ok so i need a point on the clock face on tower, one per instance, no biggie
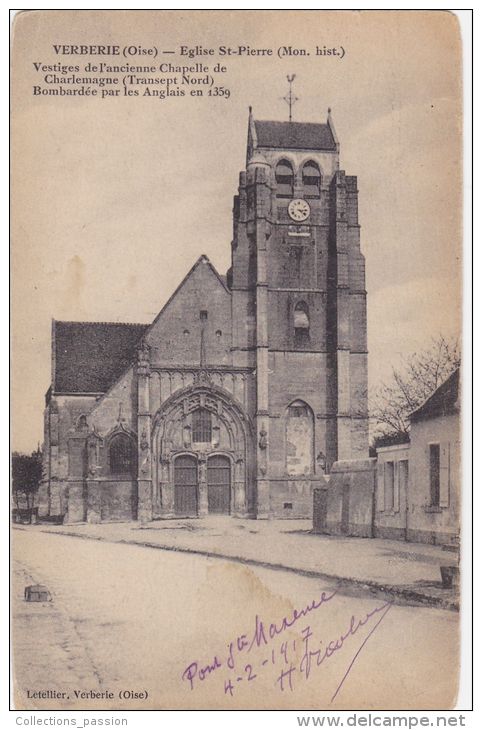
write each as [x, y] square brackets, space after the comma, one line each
[298, 210]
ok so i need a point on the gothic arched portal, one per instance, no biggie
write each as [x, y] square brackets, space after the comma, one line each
[203, 455]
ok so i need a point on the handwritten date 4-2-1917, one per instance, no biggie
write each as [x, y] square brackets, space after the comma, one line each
[284, 656]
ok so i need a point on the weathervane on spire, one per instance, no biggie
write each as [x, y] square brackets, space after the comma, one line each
[290, 98]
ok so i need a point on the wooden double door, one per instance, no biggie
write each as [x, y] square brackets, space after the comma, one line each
[186, 485]
[219, 484]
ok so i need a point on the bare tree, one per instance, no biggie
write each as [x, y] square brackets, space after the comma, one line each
[26, 476]
[419, 376]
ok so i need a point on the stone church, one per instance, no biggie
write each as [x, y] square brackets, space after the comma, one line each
[246, 388]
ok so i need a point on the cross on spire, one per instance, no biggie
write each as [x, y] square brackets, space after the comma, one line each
[290, 98]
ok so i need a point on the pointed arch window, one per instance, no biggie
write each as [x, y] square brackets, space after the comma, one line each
[82, 424]
[202, 429]
[311, 180]
[301, 324]
[299, 433]
[284, 179]
[122, 455]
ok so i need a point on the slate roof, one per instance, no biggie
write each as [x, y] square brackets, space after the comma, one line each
[396, 439]
[443, 402]
[90, 356]
[294, 135]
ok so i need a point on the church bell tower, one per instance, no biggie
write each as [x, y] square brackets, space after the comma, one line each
[299, 309]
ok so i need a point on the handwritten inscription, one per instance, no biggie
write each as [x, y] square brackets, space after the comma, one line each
[291, 660]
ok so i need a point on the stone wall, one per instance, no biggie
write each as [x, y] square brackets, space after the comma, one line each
[62, 419]
[349, 499]
[117, 406]
[77, 502]
[175, 335]
[118, 500]
[292, 498]
[389, 497]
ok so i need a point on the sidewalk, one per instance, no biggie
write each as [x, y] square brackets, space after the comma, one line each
[409, 572]
[41, 630]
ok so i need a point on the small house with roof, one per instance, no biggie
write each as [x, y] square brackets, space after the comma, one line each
[418, 482]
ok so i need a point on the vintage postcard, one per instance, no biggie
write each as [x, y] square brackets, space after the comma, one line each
[237, 286]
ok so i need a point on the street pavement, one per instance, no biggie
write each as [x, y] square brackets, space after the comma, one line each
[409, 572]
[159, 629]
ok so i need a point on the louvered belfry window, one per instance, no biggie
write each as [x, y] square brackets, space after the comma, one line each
[201, 426]
[311, 180]
[284, 179]
[122, 456]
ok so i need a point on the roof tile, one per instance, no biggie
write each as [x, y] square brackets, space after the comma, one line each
[90, 356]
[294, 135]
[443, 401]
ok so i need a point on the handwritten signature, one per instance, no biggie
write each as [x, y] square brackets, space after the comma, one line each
[316, 658]
[265, 634]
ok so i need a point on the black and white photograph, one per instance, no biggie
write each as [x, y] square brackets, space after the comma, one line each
[237, 360]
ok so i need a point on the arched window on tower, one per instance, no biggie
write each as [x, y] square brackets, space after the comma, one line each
[311, 180]
[201, 426]
[284, 179]
[299, 430]
[122, 455]
[301, 324]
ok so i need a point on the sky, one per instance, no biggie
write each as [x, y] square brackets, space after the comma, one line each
[114, 200]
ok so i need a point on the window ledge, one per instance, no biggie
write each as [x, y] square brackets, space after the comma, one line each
[296, 477]
[124, 477]
[433, 508]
